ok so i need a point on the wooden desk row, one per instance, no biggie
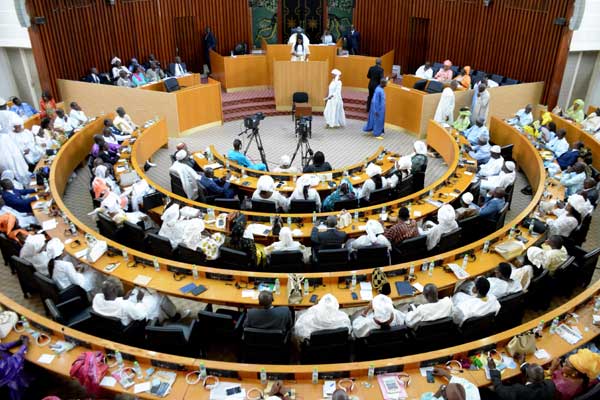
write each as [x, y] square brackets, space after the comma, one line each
[225, 291]
[299, 377]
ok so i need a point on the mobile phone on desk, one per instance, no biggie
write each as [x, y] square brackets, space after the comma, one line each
[233, 390]
[430, 377]
[314, 298]
[354, 296]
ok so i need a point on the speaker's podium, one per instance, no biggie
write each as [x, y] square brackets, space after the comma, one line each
[290, 77]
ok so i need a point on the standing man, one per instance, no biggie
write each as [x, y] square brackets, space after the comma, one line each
[210, 43]
[376, 120]
[353, 40]
[375, 75]
[482, 104]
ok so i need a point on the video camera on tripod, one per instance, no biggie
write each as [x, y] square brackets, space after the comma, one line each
[251, 124]
[253, 121]
[303, 126]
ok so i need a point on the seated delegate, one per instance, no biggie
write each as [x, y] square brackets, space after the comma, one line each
[240, 158]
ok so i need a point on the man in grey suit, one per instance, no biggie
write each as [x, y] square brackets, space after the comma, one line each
[268, 317]
[332, 238]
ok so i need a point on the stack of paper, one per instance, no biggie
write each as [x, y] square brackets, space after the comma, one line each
[458, 271]
[366, 291]
[142, 280]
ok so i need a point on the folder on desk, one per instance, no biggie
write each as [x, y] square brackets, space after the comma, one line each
[404, 288]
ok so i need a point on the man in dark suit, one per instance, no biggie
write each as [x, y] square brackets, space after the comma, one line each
[353, 40]
[95, 77]
[332, 238]
[177, 68]
[210, 43]
[15, 198]
[535, 388]
[268, 317]
[375, 75]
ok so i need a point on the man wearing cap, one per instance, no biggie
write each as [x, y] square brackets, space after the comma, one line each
[188, 160]
[494, 202]
[189, 178]
[504, 179]
[481, 151]
[476, 131]
[467, 208]
[380, 313]
[494, 165]
[25, 141]
[445, 74]
[22, 109]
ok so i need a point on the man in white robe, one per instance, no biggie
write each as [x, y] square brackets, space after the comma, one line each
[558, 145]
[433, 310]
[425, 71]
[446, 223]
[25, 141]
[504, 179]
[110, 303]
[550, 256]
[477, 304]
[189, 177]
[170, 228]
[523, 117]
[379, 314]
[334, 109]
[482, 104]
[10, 155]
[494, 165]
[566, 223]
[502, 284]
[66, 274]
[444, 114]
[325, 314]
[286, 165]
[77, 116]
[124, 123]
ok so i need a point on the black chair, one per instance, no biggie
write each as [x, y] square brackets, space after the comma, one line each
[330, 260]
[497, 78]
[508, 194]
[406, 187]
[436, 67]
[587, 262]
[512, 308]
[409, 249]
[108, 228]
[159, 246]
[380, 196]
[219, 328]
[25, 274]
[132, 235]
[152, 200]
[418, 181]
[112, 329]
[372, 257]
[234, 259]
[204, 197]
[579, 235]
[232, 204]
[592, 394]
[540, 291]
[286, 261]
[172, 339]
[455, 70]
[489, 226]
[326, 347]
[303, 206]
[434, 87]
[506, 152]
[8, 248]
[420, 84]
[448, 241]
[470, 229]
[73, 313]
[48, 289]
[176, 185]
[265, 346]
[477, 327]
[384, 343]
[189, 256]
[349, 204]
[565, 277]
[476, 77]
[432, 335]
[509, 81]
[264, 206]
[298, 97]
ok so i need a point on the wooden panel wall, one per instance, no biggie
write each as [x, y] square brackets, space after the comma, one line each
[512, 38]
[79, 34]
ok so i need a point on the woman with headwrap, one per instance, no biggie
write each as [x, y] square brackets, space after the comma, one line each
[419, 158]
[445, 73]
[444, 113]
[446, 223]
[334, 109]
[374, 182]
[568, 217]
[10, 227]
[287, 243]
[12, 365]
[103, 183]
[240, 240]
[325, 314]
[591, 123]
[403, 170]
[575, 112]
[303, 191]
[345, 191]
[550, 256]
[170, 227]
[66, 274]
[286, 165]
[379, 314]
[464, 77]
[463, 121]
[38, 253]
[374, 237]
[575, 374]
[265, 190]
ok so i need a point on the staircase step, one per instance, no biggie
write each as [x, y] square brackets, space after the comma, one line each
[246, 101]
[269, 103]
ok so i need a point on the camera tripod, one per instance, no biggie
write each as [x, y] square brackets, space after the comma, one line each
[306, 153]
[255, 136]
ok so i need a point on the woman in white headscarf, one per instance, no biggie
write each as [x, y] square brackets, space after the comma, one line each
[379, 314]
[325, 314]
[138, 191]
[286, 165]
[303, 191]
[189, 178]
[265, 190]
[403, 166]
[103, 183]
[446, 223]
[287, 243]
[568, 217]
[112, 203]
[33, 251]
[334, 109]
[191, 227]
[418, 159]
[170, 227]
[374, 237]
[375, 181]
[8, 174]
[444, 114]
[592, 123]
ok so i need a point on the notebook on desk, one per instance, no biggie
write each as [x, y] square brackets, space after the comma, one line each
[404, 288]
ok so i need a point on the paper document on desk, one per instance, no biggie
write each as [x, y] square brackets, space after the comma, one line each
[213, 166]
[250, 294]
[199, 154]
[49, 224]
[142, 280]
[40, 205]
[570, 335]
[366, 295]
[458, 271]
[259, 229]
[220, 392]
[434, 203]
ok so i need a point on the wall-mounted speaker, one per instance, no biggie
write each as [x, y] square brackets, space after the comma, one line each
[578, 9]
[22, 15]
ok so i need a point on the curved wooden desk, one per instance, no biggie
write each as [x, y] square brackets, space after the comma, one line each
[225, 292]
[299, 376]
